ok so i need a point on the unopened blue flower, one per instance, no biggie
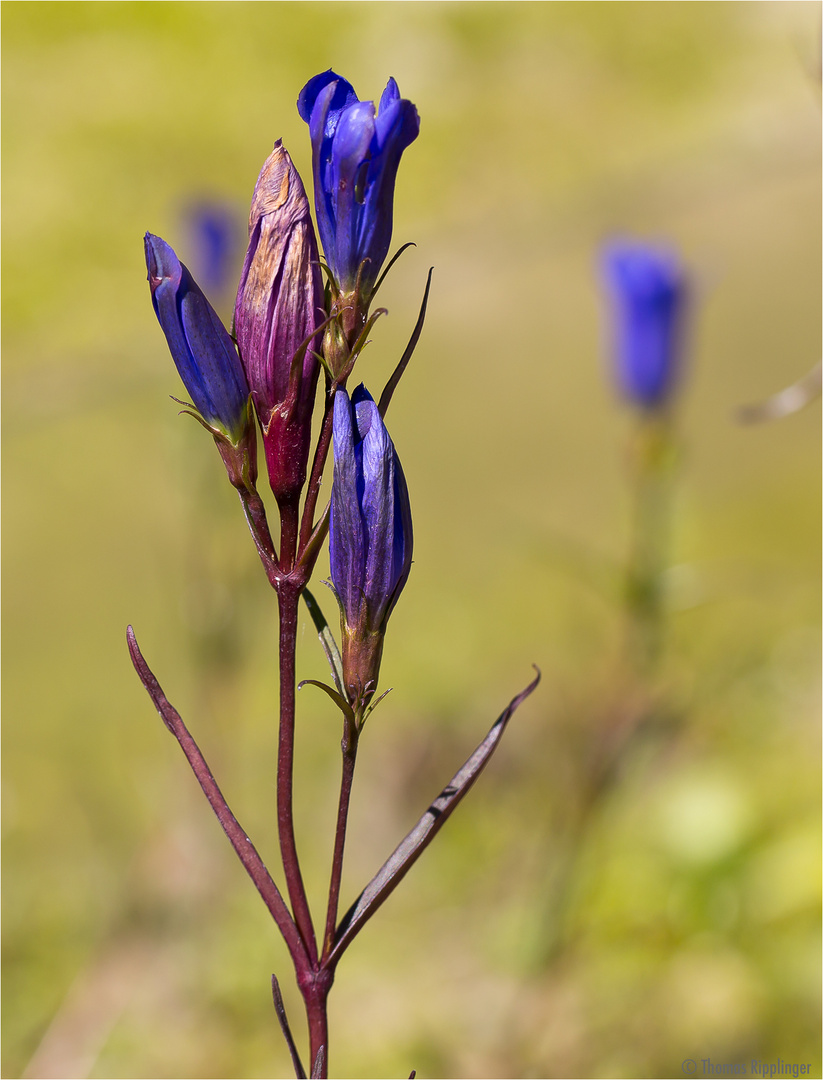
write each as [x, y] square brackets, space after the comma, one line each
[649, 293]
[201, 348]
[370, 542]
[356, 153]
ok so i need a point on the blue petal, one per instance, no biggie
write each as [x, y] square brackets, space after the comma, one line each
[395, 129]
[403, 535]
[217, 363]
[349, 151]
[378, 509]
[342, 96]
[397, 126]
[390, 94]
[346, 539]
[386, 512]
[322, 171]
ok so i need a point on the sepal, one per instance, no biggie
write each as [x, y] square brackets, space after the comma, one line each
[327, 642]
[240, 458]
[397, 374]
[341, 703]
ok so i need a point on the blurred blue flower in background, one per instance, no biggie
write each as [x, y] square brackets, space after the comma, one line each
[648, 290]
[356, 153]
[215, 238]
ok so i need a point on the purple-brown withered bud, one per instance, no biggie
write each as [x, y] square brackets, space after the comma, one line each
[279, 306]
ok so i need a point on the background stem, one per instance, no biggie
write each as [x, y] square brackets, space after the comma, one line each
[652, 466]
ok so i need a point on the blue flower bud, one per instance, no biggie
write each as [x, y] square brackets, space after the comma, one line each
[356, 153]
[370, 541]
[279, 306]
[649, 292]
[200, 346]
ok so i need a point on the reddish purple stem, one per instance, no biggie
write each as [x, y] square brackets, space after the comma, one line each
[245, 849]
[288, 597]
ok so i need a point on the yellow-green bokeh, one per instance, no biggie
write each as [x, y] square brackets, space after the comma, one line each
[134, 945]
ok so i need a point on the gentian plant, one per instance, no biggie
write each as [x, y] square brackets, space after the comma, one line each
[646, 301]
[287, 329]
[648, 292]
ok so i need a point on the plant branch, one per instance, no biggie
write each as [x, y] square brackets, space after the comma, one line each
[289, 528]
[244, 848]
[255, 513]
[652, 461]
[316, 479]
[350, 740]
[406, 854]
[288, 597]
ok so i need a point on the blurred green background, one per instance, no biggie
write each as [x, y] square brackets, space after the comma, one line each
[134, 944]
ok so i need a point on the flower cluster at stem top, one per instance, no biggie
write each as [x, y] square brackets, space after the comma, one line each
[279, 314]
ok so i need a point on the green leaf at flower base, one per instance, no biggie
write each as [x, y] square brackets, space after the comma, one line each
[338, 699]
[327, 641]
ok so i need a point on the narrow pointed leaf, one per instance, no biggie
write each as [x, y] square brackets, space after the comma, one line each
[338, 699]
[392, 872]
[358, 347]
[331, 280]
[315, 541]
[280, 1009]
[319, 1062]
[391, 385]
[296, 368]
[327, 641]
[391, 263]
[374, 705]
